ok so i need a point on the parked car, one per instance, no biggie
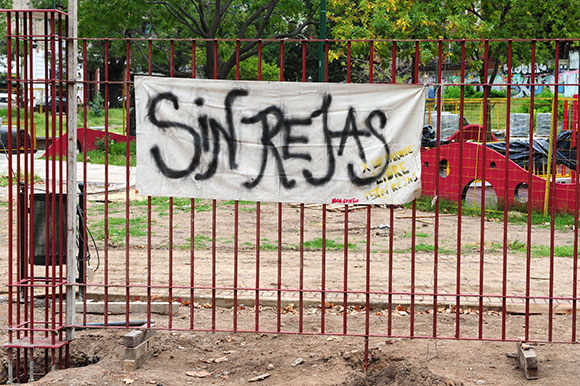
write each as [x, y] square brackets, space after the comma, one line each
[4, 101]
[43, 107]
[15, 141]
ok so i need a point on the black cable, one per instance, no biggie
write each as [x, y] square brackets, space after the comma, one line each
[81, 212]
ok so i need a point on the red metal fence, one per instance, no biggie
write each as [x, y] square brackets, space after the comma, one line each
[432, 269]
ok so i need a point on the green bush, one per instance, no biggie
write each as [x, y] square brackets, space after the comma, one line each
[114, 147]
[101, 143]
[97, 105]
[542, 104]
[454, 92]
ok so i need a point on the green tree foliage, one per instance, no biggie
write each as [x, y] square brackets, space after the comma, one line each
[178, 19]
[458, 19]
[4, 4]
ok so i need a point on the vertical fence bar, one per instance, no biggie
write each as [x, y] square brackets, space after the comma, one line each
[192, 266]
[279, 281]
[482, 148]
[345, 273]
[85, 173]
[554, 143]
[54, 189]
[258, 205]
[437, 186]
[29, 193]
[367, 287]
[259, 60]
[62, 65]
[192, 227]
[346, 210]
[371, 60]
[506, 192]
[413, 218]
[301, 275]
[106, 225]
[326, 48]
[149, 217]
[303, 61]
[236, 218]
[368, 242]
[257, 301]
[348, 61]
[460, 196]
[47, 212]
[391, 215]
[28, 146]
[530, 190]
[170, 262]
[213, 262]
[323, 274]
[10, 183]
[127, 86]
[20, 200]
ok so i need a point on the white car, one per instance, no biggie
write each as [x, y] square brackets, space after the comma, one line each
[4, 101]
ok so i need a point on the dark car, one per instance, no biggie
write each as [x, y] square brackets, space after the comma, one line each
[15, 141]
[59, 102]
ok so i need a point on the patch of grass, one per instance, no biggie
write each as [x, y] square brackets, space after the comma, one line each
[408, 235]
[421, 247]
[95, 209]
[95, 120]
[518, 214]
[200, 242]
[542, 250]
[115, 120]
[331, 245]
[4, 179]
[424, 247]
[517, 245]
[117, 154]
[118, 230]
[161, 204]
[268, 247]
[244, 206]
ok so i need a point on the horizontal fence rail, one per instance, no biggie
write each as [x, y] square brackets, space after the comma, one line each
[489, 244]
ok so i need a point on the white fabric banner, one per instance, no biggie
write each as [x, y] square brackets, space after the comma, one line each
[279, 141]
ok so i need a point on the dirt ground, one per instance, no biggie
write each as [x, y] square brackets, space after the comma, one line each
[238, 358]
[182, 357]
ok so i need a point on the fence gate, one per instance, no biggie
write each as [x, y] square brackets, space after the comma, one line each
[476, 258]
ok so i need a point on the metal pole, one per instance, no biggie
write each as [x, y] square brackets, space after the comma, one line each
[321, 36]
[71, 186]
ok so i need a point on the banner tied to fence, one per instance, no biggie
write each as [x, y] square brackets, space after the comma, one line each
[279, 141]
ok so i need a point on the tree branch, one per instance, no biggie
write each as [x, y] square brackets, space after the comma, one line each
[266, 18]
[250, 20]
[199, 10]
[474, 12]
[178, 14]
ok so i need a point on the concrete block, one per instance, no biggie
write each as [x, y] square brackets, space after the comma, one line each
[136, 337]
[528, 360]
[134, 364]
[134, 353]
